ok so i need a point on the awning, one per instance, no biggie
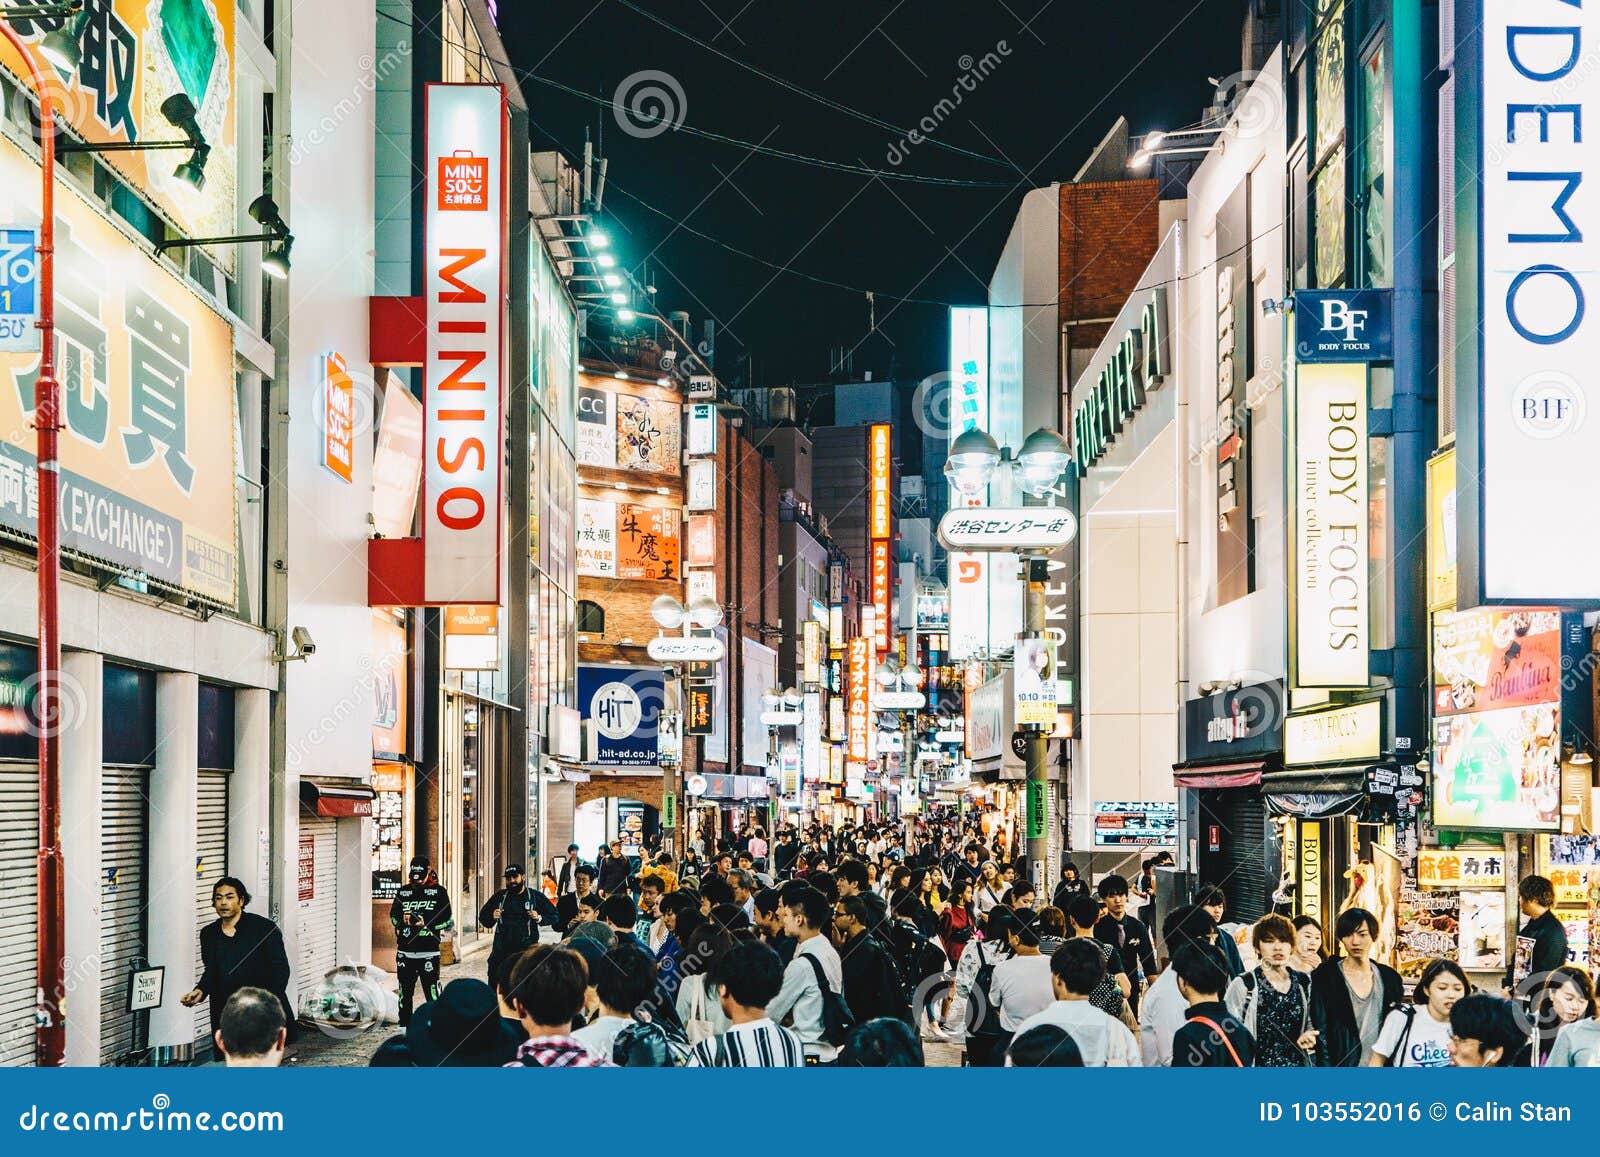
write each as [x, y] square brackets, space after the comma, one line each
[337, 797]
[1317, 793]
[1219, 775]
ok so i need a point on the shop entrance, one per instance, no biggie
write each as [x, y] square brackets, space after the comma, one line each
[469, 755]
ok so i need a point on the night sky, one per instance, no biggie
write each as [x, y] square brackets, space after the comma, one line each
[1056, 75]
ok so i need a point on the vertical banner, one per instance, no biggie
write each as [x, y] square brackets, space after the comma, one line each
[857, 689]
[880, 466]
[969, 409]
[1330, 599]
[464, 288]
[338, 416]
[1540, 347]
[1235, 554]
[811, 643]
[880, 594]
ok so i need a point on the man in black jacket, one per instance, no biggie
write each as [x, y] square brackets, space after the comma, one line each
[1351, 994]
[614, 870]
[872, 986]
[515, 913]
[1127, 935]
[567, 882]
[239, 949]
[419, 913]
[1212, 1037]
[783, 856]
[1545, 936]
[567, 906]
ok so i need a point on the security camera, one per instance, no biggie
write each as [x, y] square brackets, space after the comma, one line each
[304, 644]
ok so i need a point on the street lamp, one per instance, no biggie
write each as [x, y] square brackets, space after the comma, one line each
[50, 1039]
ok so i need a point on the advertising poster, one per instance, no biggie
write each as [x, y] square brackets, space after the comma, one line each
[1482, 941]
[648, 437]
[1485, 660]
[1498, 770]
[622, 704]
[1429, 928]
[1464, 867]
[702, 544]
[388, 686]
[630, 826]
[596, 538]
[146, 369]
[1035, 683]
[597, 428]
[647, 542]
[136, 54]
[1145, 824]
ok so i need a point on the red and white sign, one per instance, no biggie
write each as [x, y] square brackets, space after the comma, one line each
[338, 416]
[464, 287]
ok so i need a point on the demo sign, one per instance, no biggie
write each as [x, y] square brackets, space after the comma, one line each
[461, 524]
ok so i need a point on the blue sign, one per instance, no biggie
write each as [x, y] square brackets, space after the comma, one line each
[1344, 325]
[623, 706]
[19, 291]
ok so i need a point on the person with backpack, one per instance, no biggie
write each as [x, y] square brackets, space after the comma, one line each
[748, 977]
[1417, 1035]
[624, 980]
[1351, 993]
[1110, 995]
[1100, 1041]
[1211, 1036]
[873, 986]
[1273, 1001]
[810, 1000]
[986, 1037]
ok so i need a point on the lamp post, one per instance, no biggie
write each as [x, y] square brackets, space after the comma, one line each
[672, 615]
[973, 461]
[50, 1030]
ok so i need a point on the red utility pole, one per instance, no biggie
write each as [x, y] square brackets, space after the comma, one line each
[50, 1041]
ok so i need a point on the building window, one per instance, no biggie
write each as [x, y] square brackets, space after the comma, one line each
[591, 618]
[1372, 201]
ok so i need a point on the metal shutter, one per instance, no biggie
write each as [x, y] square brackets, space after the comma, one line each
[19, 909]
[560, 802]
[124, 811]
[211, 864]
[1240, 867]
[318, 931]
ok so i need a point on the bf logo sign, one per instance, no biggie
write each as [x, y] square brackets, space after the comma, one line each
[1337, 315]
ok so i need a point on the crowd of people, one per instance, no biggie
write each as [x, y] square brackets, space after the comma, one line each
[858, 946]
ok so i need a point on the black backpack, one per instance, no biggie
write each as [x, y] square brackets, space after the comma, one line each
[988, 1028]
[917, 956]
[837, 1019]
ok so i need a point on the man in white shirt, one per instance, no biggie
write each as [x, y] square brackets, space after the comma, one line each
[1020, 986]
[624, 979]
[1076, 970]
[749, 975]
[805, 913]
[1164, 1010]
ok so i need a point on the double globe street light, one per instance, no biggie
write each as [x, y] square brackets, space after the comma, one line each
[1031, 532]
[670, 615]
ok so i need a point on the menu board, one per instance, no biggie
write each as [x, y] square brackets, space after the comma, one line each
[1429, 929]
[1482, 942]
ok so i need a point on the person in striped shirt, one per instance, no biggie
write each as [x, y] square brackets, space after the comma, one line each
[749, 976]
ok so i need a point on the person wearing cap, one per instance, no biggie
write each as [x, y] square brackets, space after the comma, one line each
[515, 913]
[419, 913]
[461, 1029]
[567, 882]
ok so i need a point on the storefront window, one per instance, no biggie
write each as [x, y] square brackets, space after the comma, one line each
[1373, 201]
[1330, 223]
[1330, 82]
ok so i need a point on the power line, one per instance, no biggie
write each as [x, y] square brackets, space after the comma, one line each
[790, 86]
[784, 154]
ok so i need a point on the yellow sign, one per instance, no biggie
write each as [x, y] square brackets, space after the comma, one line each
[136, 55]
[1343, 735]
[1465, 867]
[1310, 874]
[146, 367]
[1442, 532]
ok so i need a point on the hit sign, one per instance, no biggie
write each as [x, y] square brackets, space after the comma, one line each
[465, 270]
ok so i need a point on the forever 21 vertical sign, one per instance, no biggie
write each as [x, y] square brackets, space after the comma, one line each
[464, 240]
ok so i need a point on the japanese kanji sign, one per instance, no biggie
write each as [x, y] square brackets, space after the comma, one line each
[146, 369]
[338, 416]
[136, 54]
[1463, 867]
[1007, 530]
[19, 291]
[647, 542]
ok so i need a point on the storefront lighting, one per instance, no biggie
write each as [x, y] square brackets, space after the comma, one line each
[63, 48]
[621, 375]
[619, 298]
[888, 673]
[663, 382]
[179, 112]
[605, 261]
[612, 280]
[280, 241]
[705, 613]
[625, 315]
[598, 238]
[1154, 140]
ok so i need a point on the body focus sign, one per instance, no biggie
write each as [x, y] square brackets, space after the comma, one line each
[465, 269]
